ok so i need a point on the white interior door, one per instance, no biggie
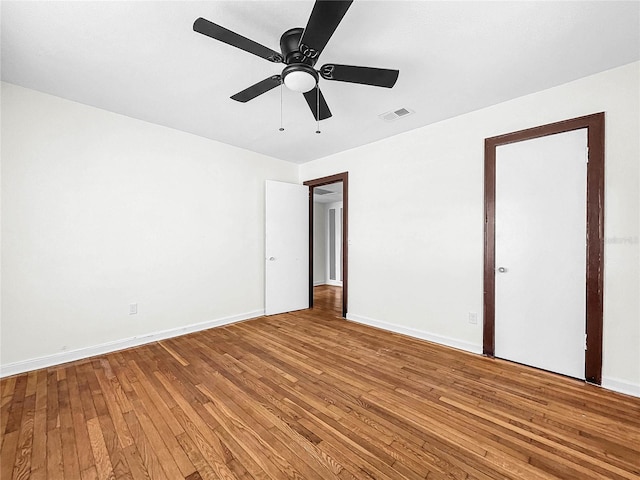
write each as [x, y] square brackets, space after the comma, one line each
[540, 227]
[286, 247]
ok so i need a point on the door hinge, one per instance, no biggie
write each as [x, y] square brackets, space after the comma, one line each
[586, 154]
[585, 341]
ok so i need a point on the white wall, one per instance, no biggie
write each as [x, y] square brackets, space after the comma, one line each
[101, 210]
[319, 244]
[416, 254]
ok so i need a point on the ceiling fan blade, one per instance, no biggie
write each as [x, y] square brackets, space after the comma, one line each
[312, 99]
[378, 77]
[258, 89]
[323, 21]
[217, 32]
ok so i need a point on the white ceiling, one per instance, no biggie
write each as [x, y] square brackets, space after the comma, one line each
[334, 196]
[142, 59]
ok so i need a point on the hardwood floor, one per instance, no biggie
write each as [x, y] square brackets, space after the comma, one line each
[327, 300]
[308, 395]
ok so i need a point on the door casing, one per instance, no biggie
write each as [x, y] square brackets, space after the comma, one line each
[318, 182]
[594, 232]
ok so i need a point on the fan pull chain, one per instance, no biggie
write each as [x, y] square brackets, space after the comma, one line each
[281, 127]
[318, 108]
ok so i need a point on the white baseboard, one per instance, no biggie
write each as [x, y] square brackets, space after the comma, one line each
[614, 384]
[621, 386]
[317, 284]
[333, 283]
[108, 347]
[421, 334]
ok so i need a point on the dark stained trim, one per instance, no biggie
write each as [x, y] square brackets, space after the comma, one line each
[344, 178]
[594, 236]
[489, 306]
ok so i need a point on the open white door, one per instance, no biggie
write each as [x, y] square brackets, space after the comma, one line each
[540, 252]
[286, 247]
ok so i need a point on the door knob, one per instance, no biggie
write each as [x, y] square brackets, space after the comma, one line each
[502, 269]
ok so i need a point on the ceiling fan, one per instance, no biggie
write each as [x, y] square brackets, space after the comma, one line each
[300, 49]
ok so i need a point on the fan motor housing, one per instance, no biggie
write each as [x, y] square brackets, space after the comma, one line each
[290, 47]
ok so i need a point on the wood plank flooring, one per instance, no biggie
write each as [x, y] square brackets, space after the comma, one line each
[308, 395]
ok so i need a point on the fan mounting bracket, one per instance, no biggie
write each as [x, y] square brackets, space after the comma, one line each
[292, 51]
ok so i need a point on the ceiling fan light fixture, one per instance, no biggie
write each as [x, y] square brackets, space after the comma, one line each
[300, 78]
[300, 49]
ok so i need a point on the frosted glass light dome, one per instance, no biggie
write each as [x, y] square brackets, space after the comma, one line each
[300, 81]
[300, 78]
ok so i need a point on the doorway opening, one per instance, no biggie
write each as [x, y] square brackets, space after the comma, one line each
[328, 246]
[594, 235]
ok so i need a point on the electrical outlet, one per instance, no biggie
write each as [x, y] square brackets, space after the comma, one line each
[133, 309]
[473, 318]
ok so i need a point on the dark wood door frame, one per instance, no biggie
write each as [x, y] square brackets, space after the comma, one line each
[344, 178]
[595, 232]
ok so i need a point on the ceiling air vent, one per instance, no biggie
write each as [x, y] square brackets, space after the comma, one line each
[396, 114]
[319, 191]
